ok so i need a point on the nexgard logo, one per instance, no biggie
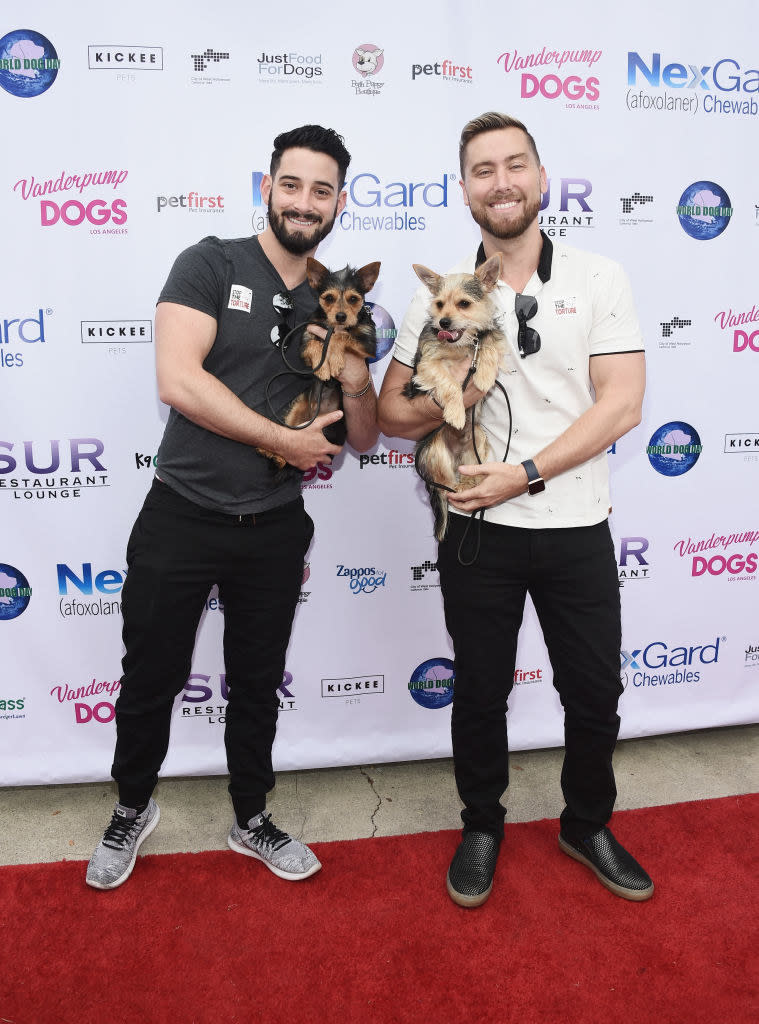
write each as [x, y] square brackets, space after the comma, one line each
[83, 582]
[721, 88]
[16, 332]
[376, 205]
[657, 664]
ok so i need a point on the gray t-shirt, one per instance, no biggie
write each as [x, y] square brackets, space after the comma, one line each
[234, 282]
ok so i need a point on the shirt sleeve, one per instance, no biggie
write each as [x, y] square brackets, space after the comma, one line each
[615, 326]
[197, 278]
[407, 339]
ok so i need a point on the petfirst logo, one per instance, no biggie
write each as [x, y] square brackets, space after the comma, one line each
[431, 684]
[393, 459]
[353, 688]
[738, 565]
[200, 689]
[107, 583]
[750, 656]
[671, 338]
[287, 68]
[406, 199]
[447, 70]
[125, 58]
[86, 705]
[700, 84]
[384, 329]
[97, 212]
[574, 209]
[19, 332]
[424, 577]
[108, 332]
[368, 61]
[579, 90]
[201, 62]
[9, 707]
[363, 581]
[668, 666]
[527, 676]
[634, 208]
[674, 448]
[29, 63]
[192, 202]
[15, 592]
[744, 339]
[318, 478]
[43, 465]
[704, 210]
[632, 561]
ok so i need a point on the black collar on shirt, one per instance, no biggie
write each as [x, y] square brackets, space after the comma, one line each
[544, 263]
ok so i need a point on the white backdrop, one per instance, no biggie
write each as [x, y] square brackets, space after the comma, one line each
[154, 132]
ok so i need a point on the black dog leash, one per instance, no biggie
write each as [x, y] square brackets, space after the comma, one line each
[293, 370]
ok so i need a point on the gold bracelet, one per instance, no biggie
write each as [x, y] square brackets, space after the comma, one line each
[362, 392]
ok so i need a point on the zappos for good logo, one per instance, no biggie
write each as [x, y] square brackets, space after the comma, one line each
[385, 329]
[15, 592]
[29, 63]
[431, 683]
[674, 448]
[704, 210]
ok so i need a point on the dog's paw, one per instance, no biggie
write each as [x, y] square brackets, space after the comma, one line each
[277, 460]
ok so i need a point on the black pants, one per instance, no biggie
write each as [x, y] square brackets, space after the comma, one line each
[176, 552]
[571, 577]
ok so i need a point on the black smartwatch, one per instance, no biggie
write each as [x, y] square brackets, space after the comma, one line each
[535, 482]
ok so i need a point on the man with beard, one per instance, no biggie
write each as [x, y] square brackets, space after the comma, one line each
[218, 514]
[575, 378]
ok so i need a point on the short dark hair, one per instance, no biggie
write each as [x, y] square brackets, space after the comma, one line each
[316, 138]
[490, 122]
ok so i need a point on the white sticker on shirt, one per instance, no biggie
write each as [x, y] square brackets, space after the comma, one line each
[565, 307]
[240, 297]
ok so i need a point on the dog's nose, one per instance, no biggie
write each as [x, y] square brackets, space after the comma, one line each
[341, 317]
[445, 322]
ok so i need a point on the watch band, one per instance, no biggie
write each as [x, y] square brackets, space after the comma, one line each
[535, 482]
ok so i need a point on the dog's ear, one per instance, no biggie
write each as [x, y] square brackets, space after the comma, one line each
[316, 273]
[428, 277]
[368, 275]
[489, 272]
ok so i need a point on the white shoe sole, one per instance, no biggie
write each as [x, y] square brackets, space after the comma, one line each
[141, 839]
[289, 876]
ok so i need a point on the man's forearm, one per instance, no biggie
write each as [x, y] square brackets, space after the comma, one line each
[361, 417]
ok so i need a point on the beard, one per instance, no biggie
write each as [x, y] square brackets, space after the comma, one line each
[297, 241]
[505, 230]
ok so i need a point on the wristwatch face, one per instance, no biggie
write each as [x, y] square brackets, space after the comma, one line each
[536, 486]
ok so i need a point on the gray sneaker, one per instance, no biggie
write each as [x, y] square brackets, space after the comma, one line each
[282, 854]
[114, 856]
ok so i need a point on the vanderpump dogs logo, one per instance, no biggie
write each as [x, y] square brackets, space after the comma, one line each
[565, 205]
[378, 205]
[18, 332]
[634, 560]
[431, 684]
[362, 580]
[318, 478]
[447, 69]
[125, 58]
[704, 210]
[48, 470]
[15, 592]
[715, 555]
[566, 75]
[744, 325]
[92, 703]
[675, 333]
[368, 60]
[29, 63]
[88, 593]
[659, 665]
[725, 87]
[674, 448]
[291, 67]
[103, 215]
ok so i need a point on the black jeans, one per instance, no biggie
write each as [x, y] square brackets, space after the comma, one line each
[571, 577]
[176, 552]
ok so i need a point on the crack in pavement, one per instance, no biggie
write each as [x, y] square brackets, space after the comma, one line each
[370, 780]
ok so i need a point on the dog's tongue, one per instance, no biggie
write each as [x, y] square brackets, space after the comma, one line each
[448, 335]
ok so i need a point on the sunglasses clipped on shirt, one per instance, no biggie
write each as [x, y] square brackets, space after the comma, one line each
[528, 339]
[284, 305]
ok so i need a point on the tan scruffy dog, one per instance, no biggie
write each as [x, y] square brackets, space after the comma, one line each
[462, 328]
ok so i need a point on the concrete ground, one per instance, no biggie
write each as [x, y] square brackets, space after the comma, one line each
[52, 823]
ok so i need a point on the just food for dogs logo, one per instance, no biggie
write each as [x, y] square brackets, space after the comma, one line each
[368, 60]
[289, 67]
[29, 63]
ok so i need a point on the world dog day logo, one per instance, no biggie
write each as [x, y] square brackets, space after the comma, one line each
[704, 210]
[96, 212]
[542, 75]
[674, 448]
[15, 592]
[29, 63]
[385, 330]
[431, 683]
[368, 60]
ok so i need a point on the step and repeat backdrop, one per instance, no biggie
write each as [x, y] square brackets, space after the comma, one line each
[131, 133]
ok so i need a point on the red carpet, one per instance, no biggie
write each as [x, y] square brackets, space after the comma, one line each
[214, 937]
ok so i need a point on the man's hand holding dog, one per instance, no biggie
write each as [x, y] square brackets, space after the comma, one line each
[501, 482]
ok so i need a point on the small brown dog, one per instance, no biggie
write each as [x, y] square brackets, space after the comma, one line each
[342, 308]
[462, 327]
